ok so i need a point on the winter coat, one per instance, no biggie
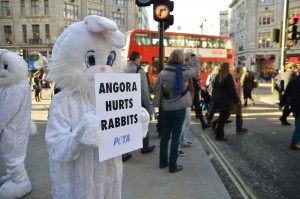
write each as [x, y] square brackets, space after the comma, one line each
[225, 93]
[287, 76]
[166, 78]
[132, 68]
[292, 94]
[75, 170]
[247, 80]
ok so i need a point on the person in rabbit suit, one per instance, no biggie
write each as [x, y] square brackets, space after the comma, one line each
[15, 124]
[72, 134]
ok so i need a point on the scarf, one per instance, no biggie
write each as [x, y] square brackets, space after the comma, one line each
[178, 80]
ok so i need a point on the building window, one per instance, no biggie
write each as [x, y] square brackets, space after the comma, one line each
[24, 29]
[266, 2]
[95, 12]
[47, 30]
[36, 31]
[119, 18]
[118, 2]
[71, 11]
[98, 1]
[266, 18]
[5, 9]
[8, 34]
[34, 7]
[264, 40]
[46, 5]
[23, 8]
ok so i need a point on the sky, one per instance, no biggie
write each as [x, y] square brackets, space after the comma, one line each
[189, 14]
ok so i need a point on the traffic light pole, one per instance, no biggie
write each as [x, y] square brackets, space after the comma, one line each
[283, 35]
[161, 46]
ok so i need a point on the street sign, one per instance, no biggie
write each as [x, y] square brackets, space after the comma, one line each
[267, 56]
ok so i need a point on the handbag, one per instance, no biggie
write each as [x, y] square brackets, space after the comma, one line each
[158, 93]
[255, 83]
[279, 85]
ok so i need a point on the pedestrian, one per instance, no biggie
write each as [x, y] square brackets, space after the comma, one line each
[286, 77]
[247, 81]
[237, 110]
[196, 100]
[174, 80]
[187, 121]
[37, 85]
[292, 94]
[210, 79]
[133, 66]
[212, 107]
[225, 96]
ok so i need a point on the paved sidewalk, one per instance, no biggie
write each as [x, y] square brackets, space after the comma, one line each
[142, 177]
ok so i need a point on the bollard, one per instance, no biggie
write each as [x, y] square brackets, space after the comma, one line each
[272, 85]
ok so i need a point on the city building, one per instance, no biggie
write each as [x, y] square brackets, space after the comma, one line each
[34, 25]
[252, 24]
[224, 26]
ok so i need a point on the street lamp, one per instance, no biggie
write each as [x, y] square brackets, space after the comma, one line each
[202, 26]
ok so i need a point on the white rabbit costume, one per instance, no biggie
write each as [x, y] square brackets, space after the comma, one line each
[15, 120]
[83, 49]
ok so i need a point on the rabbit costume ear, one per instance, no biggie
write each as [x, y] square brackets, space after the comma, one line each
[108, 28]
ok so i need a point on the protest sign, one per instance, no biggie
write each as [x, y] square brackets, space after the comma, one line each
[118, 106]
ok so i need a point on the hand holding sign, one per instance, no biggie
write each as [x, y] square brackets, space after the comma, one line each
[145, 119]
[91, 135]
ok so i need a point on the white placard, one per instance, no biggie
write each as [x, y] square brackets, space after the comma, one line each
[118, 105]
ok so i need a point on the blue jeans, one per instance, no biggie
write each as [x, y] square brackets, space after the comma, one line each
[171, 125]
[296, 133]
[185, 126]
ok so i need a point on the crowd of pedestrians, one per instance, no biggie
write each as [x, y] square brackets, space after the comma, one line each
[182, 94]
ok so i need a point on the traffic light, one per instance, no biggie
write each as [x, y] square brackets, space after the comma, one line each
[162, 12]
[143, 3]
[275, 35]
[293, 30]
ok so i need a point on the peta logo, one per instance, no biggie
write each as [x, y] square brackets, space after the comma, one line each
[122, 140]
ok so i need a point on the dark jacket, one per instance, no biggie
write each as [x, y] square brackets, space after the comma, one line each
[287, 76]
[292, 94]
[247, 80]
[225, 94]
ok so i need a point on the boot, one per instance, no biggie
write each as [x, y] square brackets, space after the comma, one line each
[239, 122]
[19, 184]
[245, 102]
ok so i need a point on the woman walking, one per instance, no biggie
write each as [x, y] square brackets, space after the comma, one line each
[176, 98]
[225, 96]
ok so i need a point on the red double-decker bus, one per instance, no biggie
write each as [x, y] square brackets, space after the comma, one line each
[211, 50]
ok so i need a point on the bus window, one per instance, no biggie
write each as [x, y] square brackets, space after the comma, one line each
[155, 40]
[176, 40]
[211, 43]
[34, 57]
[217, 43]
[207, 67]
[222, 43]
[142, 39]
[228, 44]
[192, 42]
[203, 43]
